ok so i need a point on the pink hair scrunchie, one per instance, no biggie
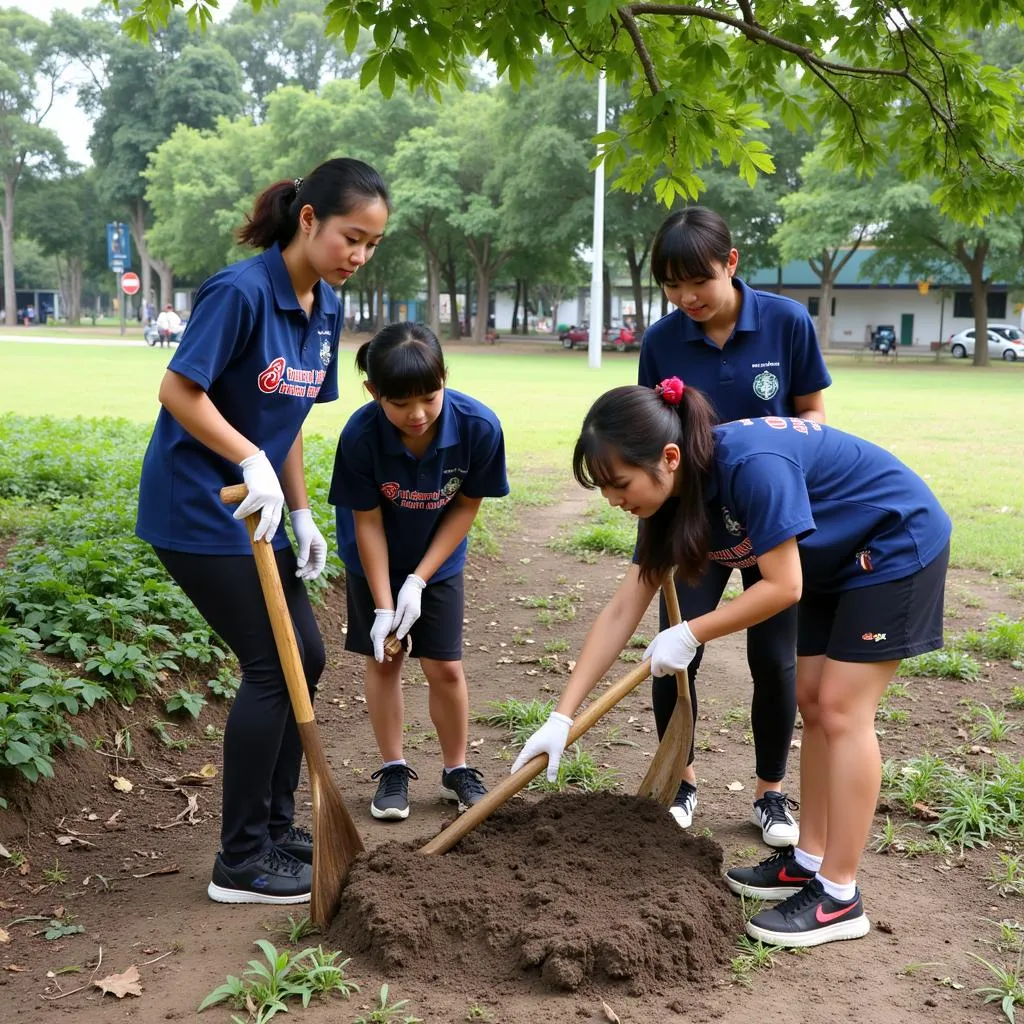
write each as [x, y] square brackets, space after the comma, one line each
[670, 390]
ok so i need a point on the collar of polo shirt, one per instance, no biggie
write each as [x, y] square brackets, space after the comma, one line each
[281, 284]
[749, 319]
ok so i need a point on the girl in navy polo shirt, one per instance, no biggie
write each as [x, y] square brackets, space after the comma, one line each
[752, 354]
[260, 348]
[411, 470]
[841, 530]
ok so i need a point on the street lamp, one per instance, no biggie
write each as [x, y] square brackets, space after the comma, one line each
[597, 273]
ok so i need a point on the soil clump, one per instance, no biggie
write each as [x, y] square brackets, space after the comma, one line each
[566, 892]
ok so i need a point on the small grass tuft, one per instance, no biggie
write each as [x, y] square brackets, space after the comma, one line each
[578, 770]
[521, 718]
[947, 664]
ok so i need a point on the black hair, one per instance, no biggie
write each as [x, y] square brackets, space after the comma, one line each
[633, 424]
[402, 361]
[335, 188]
[688, 245]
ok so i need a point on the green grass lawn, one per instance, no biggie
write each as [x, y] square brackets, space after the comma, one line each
[929, 414]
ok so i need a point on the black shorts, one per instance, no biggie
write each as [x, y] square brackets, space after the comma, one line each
[436, 634]
[885, 622]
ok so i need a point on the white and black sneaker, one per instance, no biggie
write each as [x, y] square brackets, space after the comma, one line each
[771, 814]
[683, 806]
[391, 801]
[464, 785]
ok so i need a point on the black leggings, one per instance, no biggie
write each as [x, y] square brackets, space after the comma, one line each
[262, 750]
[771, 655]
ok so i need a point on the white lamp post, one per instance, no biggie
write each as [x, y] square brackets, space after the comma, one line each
[597, 274]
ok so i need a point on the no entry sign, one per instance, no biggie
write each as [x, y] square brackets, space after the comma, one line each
[130, 283]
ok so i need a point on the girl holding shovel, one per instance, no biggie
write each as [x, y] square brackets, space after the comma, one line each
[411, 471]
[260, 348]
[840, 530]
[752, 354]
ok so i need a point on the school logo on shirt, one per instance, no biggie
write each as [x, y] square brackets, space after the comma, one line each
[864, 560]
[390, 490]
[766, 385]
[281, 379]
[731, 523]
[451, 485]
[325, 350]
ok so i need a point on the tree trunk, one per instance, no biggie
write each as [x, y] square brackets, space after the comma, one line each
[166, 283]
[974, 264]
[7, 228]
[526, 305]
[382, 315]
[825, 309]
[515, 308]
[468, 311]
[636, 279]
[483, 301]
[606, 312]
[137, 226]
[76, 275]
[448, 269]
[433, 317]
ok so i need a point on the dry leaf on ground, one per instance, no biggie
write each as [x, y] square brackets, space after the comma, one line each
[610, 1015]
[121, 784]
[734, 787]
[4, 937]
[121, 985]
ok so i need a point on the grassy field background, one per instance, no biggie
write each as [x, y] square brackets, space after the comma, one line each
[959, 427]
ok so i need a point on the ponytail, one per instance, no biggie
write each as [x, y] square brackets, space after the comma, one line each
[335, 188]
[633, 424]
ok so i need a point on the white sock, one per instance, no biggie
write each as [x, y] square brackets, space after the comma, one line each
[843, 893]
[456, 768]
[388, 764]
[806, 860]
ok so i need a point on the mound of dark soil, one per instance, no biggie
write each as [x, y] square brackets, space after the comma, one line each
[570, 890]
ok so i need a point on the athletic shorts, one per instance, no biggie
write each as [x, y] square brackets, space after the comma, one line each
[436, 634]
[885, 622]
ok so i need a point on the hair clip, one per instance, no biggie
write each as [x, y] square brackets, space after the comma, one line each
[298, 184]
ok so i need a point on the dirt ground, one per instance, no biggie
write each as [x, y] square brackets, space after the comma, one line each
[137, 868]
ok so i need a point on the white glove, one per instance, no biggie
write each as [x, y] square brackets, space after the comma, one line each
[383, 620]
[265, 495]
[549, 739]
[407, 607]
[312, 554]
[672, 650]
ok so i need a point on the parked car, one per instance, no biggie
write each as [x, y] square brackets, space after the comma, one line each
[883, 339]
[617, 336]
[1004, 342]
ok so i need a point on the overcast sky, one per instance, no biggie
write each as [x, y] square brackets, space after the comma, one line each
[65, 118]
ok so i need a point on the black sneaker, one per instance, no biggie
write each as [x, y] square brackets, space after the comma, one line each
[391, 801]
[810, 918]
[775, 878]
[272, 877]
[463, 784]
[771, 815]
[298, 843]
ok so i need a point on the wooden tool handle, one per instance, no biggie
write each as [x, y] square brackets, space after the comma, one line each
[675, 616]
[235, 495]
[512, 784]
[277, 609]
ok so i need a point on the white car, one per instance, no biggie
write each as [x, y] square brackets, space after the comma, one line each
[1004, 342]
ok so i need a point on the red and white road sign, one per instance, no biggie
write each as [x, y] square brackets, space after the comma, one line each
[130, 283]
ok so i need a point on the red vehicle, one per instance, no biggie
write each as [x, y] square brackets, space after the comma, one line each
[618, 337]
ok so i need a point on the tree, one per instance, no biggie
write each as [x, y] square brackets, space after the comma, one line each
[139, 94]
[285, 45]
[29, 73]
[918, 239]
[825, 222]
[891, 75]
[425, 190]
[68, 223]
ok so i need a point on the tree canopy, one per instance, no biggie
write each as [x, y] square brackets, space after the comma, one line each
[884, 76]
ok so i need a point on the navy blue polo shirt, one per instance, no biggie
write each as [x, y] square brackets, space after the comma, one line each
[771, 357]
[860, 516]
[250, 346]
[372, 467]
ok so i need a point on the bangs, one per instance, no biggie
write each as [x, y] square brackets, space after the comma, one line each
[682, 255]
[409, 370]
[592, 462]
